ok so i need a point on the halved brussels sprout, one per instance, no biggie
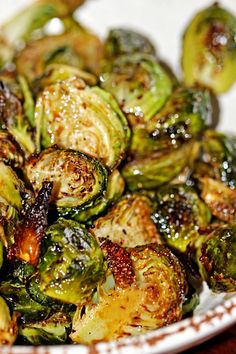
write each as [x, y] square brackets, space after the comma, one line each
[209, 49]
[12, 188]
[71, 264]
[154, 299]
[217, 157]
[179, 214]
[122, 41]
[61, 72]
[77, 179]
[82, 118]
[220, 199]
[158, 168]
[12, 118]
[8, 325]
[217, 258]
[128, 222]
[29, 232]
[75, 46]
[140, 85]
[184, 116]
[28, 23]
[114, 190]
[52, 330]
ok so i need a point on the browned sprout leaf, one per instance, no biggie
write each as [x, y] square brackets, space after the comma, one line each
[31, 229]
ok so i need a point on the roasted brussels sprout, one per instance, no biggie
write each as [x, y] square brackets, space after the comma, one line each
[28, 23]
[184, 116]
[158, 168]
[12, 118]
[19, 300]
[77, 179]
[128, 222]
[122, 41]
[209, 49]
[8, 325]
[220, 199]
[52, 330]
[28, 234]
[71, 264]
[179, 214]
[61, 72]
[139, 306]
[82, 118]
[75, 46]
[216, 172]
[217, 258]
[140, 85]
[114, 190]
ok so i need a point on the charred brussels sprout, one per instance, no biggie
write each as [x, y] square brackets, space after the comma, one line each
[142, 305]
[53, 330]
[77, 179]
[184, 116]
[128, 222]
[158, 168]
[8, 325]
[216, 172]
[179, 215]
[217, 258]
[209, 49]
[140, 85]
[29, 232]
[122, 41]
[71, 263]
[82, 118]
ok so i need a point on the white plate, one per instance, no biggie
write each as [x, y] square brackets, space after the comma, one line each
[163, 21]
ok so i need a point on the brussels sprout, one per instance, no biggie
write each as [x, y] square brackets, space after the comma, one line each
[12, 118]
[8, 325]
[217, 258]
[183, 117]
[28, 234]
[75, 46]
[221, 200]
[71, 264]
[10, 150]
[209, 49]
[1, 253]
[18, 299]
[140, 85]
[122, 41]
[28, 100]
[158, 168]
[28, 23]
[128, 222]
[218, 158]
[77, 179]
[216, 172]
[154, 299]
[61, 72]
[11, 187]
[179, 214]
[115, 189]
[192, 300]
[53, 330]
[82, 118]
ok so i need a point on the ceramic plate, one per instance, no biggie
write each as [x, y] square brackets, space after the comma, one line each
[163, 21]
